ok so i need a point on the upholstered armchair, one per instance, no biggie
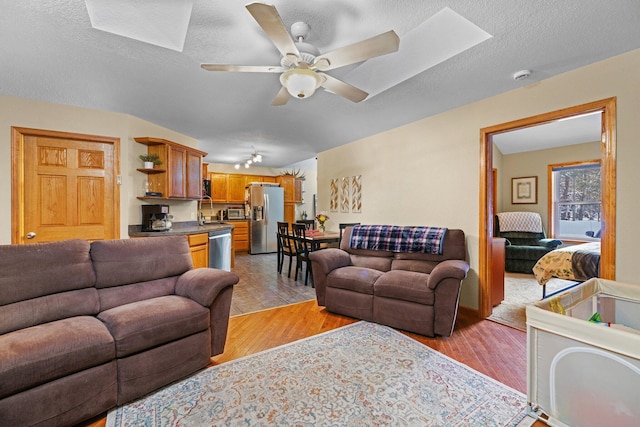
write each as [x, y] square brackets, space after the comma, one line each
[525, 239]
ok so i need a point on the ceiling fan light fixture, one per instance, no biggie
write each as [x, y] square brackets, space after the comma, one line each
[300, 82]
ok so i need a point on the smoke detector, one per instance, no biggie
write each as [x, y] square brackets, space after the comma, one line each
[521, 75]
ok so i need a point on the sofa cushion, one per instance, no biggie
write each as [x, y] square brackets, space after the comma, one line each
[38, 269]
[414, 265]
[126, 261]
[146, 324]
[126, 294]
[34, 356]
[357, 279]
[48, 308]
[406, 286]
[376, 263]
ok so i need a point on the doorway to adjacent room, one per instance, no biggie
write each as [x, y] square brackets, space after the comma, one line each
[607, 109]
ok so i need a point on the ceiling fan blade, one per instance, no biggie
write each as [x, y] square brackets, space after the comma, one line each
[282, 97]
[268, 18]
[244, 68]
[341, 88]
[381, 44]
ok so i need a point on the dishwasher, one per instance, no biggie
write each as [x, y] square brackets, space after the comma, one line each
[220, 250]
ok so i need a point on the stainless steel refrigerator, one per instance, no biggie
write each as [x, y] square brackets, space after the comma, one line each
[266, 204]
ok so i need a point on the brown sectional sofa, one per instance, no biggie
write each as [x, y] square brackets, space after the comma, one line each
[88, 326]
[416, 292]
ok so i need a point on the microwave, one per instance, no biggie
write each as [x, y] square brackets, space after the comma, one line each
[235, 213]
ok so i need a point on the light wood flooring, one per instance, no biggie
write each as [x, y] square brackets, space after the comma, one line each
[493, 349]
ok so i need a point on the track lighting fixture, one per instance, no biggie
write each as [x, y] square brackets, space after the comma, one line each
[255, 158]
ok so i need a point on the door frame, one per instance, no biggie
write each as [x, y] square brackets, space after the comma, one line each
[607, 107]
[18, 174]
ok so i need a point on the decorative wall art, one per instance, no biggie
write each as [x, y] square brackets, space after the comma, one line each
[524, 190]
[344, 195]
[356, 194]
[333, 195]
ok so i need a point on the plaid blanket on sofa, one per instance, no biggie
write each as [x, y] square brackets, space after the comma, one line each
[396, 238]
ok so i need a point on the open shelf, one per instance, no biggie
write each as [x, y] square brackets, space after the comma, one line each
[151, 171]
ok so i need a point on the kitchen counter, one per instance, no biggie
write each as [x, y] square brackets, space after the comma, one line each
[183, 228]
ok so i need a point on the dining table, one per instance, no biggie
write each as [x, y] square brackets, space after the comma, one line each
[318, 237]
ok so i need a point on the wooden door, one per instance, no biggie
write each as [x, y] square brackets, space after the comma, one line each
[64, 186]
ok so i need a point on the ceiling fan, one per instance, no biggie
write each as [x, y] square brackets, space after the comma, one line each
[302, 65]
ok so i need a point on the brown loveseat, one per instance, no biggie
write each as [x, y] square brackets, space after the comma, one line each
[417, 292]
[85, 327]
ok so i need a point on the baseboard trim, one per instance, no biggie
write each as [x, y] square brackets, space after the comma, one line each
[468, 311]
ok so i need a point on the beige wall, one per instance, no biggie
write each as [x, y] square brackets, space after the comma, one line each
[427, 172]
[535, 163]
[41, 115]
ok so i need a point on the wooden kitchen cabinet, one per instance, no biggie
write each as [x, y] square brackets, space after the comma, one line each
[292, 188]
[219, 187]
[497, 270]
[297, 195]
[199, 248]
[288, 182]
[177, 167]
[194, 175]
[229, 188]
[236, 185]
[240, 236]
[181, 173]
[289, 212]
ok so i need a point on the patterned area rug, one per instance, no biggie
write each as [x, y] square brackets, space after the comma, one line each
[520, 290]
[363, 374]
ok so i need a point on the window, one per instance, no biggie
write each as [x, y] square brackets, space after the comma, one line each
[576, 200]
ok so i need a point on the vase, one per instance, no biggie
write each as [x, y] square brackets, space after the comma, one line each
[321, 226]
[148, 165]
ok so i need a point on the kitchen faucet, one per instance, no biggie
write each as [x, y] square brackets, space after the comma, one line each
[201, 217]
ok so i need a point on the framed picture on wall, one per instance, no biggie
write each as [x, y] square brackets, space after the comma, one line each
[524, 190]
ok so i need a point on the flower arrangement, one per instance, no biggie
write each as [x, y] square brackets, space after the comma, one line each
[321, 218]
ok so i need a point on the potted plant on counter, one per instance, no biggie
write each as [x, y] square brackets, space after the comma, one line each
[150, 160]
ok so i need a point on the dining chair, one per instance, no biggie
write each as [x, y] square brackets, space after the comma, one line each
[285, 246]
[309, 223]
[344, 225]
[303, 248]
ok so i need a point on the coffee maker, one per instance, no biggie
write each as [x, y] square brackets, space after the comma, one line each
[156, 218]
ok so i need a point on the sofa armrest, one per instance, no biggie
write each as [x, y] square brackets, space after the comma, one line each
[550, 243]
[204, 284]
[324, 262]
[449, 269]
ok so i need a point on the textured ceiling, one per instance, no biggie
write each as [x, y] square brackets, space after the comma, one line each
[50, 52]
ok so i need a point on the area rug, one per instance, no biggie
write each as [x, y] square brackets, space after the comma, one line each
[362, 374]
[520, 290]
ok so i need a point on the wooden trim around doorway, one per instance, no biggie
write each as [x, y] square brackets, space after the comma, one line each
[608, 149]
